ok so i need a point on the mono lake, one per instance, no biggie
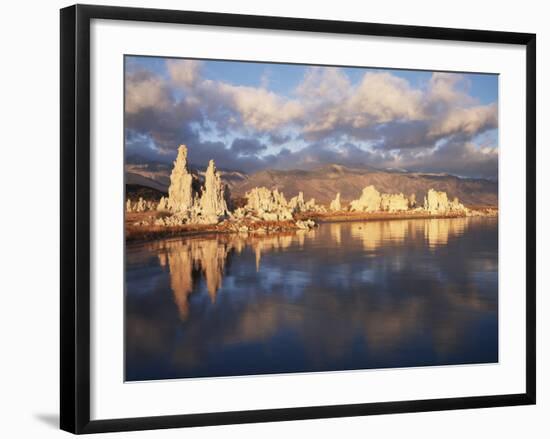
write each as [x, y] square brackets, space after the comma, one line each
[350, 295]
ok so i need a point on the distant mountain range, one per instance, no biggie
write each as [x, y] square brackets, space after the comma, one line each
[323, 183]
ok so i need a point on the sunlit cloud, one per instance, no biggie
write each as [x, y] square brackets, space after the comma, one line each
[331, 115]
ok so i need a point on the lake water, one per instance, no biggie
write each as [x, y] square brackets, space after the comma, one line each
[357, 295]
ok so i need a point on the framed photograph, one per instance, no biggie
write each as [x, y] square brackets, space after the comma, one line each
[268, 218]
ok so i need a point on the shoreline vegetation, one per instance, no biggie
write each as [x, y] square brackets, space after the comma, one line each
[197, 207]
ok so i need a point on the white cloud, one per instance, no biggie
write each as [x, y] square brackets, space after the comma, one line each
[144, 91]
[184, 72]
[398, 124]
[450, 89]
[323, 84]
[469, 121]
[385, 97]
[258, 108]
[377, 99]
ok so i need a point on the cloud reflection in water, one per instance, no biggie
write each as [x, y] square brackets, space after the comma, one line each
[345, 296]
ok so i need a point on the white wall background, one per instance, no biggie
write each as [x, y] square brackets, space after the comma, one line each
[29, 248]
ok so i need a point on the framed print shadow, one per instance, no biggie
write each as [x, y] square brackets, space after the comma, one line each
[273, 218]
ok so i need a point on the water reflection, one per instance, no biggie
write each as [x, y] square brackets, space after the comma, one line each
[344, 296]
[372, 234]
[206, 256]
[437, 232]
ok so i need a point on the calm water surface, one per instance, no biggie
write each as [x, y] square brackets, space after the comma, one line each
[355, 295]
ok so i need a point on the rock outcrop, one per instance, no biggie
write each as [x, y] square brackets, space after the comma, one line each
[336, 205]
[180, 192]
[262, 199]
[325, 181]
[436, 202]
[212, 206]
[163, 204]
[412, 201]
[297, 203]
[305, 224]
[265, 205]
[368, 202]
[272, 205]
[189, 204]
[311, 206]
[176, 219]
[457, 206]
[393, 203]
[140, 205]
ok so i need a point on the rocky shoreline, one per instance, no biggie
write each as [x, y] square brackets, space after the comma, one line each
[145, 233]
[151, 231]
[194, 206]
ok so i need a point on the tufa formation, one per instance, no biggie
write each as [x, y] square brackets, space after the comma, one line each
[180, 192]
[436, 202]
[335, 204]
[206, 205]
[192, 201]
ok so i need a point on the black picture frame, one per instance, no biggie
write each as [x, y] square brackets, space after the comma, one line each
[75, 217]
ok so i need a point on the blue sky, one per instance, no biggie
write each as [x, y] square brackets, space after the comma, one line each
[250, 116]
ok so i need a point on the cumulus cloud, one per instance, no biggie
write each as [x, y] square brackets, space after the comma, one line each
[258, 108]
[247, 147]
[167, 127]
[184, 72]
[155, 121]
[384, 97]
[458, 158]
[403, 135]
[450, 89]
[323, 84]
[468, 121]
[227, 159]
[379, 120]
[278, 139]
[145, 90]
[338, 107]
